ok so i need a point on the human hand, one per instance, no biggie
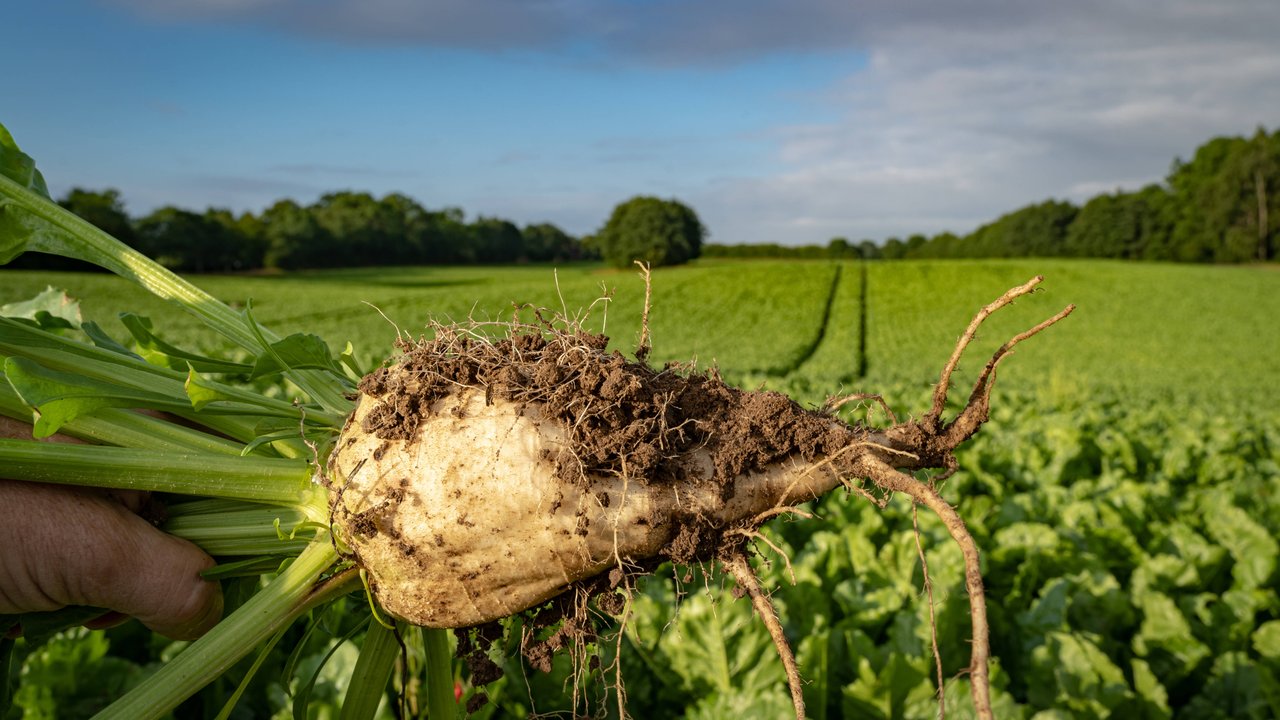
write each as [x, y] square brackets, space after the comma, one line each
[64, 545]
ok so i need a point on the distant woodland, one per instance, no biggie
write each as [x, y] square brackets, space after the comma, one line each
[1221, 206]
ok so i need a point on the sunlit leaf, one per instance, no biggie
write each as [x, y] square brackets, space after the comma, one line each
[58, 398]
[100, 338]
[18, 226]
[1266, 641]
[1250, 545]
[202, 392]
[298, 351]
[52, 309]
[160, 352]
[1165, 640]
[19, 166]
[1070, 671]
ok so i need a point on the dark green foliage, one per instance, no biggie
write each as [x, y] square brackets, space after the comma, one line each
[342, 229]
[293, 237]
[1227, 200]
[894, 249]
[1130, 226]
[659, 232]
[188, 242]
[494, 240]
[545, 242]
[1222, 206]
[1033, 231]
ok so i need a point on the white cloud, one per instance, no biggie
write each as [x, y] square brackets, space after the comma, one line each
[949, 128]
[965, 110]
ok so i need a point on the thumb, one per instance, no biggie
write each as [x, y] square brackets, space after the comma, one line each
[65, 546]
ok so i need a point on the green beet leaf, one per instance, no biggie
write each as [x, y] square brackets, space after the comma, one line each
[1165, 639]
[19, 166]
[902, 682]
[51, 310]
[59, 397]
[73, 675]
[1239, 689]
[298, 351]
[1250, 545]
[1070, 672]
[100, 338]
[1266, 642]
[158, 352]
[18, 226]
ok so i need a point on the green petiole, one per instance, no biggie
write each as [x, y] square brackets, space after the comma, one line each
[126, 428]
[281, 481]
[248, 530]
[378, 654]
[41, 225]
[284, 599]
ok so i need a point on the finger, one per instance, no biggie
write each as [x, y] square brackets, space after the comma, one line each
[139, 502]
[61, 546]
[154, 577]
[107, 620]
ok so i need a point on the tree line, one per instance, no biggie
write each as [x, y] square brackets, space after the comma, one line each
[341, 229]
[1219, 206]
[1222, 206]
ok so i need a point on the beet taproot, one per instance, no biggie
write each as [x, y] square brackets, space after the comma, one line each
[481, 477]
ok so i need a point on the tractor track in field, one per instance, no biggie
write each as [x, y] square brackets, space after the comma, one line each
[862, 320]
[821, 335]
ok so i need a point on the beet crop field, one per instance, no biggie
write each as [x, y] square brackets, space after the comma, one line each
[1125, 493]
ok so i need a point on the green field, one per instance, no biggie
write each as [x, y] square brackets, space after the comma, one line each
[1150, 330]
[1126, 492]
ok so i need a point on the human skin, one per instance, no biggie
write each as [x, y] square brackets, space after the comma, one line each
[64, 545]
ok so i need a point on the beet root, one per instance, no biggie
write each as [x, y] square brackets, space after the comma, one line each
[479, 478]
[472, 519]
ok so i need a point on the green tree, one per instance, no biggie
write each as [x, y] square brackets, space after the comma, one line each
[188, 242]
[660, 232]
[841, 249]
[868, 250]
[1126, 225]
[244, 232]
[293, 237]
[406, 222]
[916, 247]
[1226, 200]
[495, 240]
[545, 242]
[364, 231]
[1038, 230]
[942, 245]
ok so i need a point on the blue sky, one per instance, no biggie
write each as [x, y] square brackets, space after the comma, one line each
[789, 122]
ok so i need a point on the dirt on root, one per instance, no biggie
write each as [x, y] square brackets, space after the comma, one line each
[620, 417]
